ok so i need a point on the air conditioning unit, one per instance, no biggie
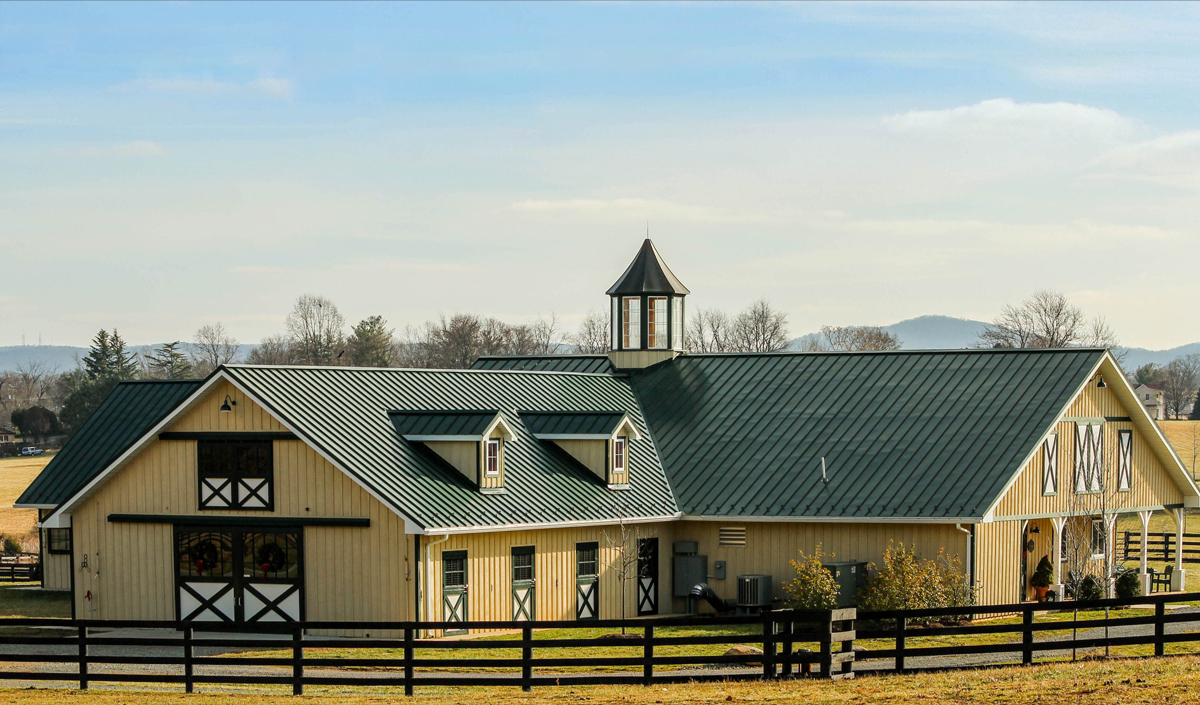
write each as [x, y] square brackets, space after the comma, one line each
[754, 590]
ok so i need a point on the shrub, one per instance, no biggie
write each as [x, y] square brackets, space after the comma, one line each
[814, 587]
[907, 582]
[1129, 585]
[11, 545]
[1089, 589]
[1044, 573]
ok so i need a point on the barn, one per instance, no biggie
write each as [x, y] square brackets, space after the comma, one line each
[567, 487]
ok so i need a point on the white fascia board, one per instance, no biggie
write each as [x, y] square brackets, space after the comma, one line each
[435, 439]
[549, 525]
[626, 424]
[505, 430]
[34, 506]
[572, 436]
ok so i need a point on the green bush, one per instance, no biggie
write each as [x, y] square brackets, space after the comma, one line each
[905, 581]
[1089, 589]
[1044, 575]
[11, 545]
[814, 587]
[1129, 585]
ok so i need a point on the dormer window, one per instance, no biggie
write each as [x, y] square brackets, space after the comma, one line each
[597, 440]
[492, 464]
[619, 448]
[631, 322]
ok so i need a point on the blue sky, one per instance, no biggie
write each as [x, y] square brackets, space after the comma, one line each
[167, 165]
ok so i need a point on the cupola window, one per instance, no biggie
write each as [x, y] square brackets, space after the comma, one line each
[656, 323]
[631, 322]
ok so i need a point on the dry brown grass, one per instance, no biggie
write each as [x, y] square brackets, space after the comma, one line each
[1118, 681]
[1185, 437]
[15, 476]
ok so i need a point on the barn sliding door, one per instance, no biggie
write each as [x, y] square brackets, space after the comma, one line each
[524, 584]
[647, 582]
[587, 580]
[239, 575]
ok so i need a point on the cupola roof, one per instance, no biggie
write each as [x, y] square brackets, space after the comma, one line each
[648, 274]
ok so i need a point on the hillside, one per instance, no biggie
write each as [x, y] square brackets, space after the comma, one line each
[927, 333]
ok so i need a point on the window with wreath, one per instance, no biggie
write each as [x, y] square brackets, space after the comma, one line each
[236, 475]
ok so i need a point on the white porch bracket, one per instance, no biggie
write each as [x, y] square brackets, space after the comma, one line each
[1179, 577]
[1144, 574]
[1059, 523]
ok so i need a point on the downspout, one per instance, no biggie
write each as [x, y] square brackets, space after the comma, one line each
[970, 551]
[428, 579]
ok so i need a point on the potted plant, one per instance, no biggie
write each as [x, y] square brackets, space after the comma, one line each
[1042, 577]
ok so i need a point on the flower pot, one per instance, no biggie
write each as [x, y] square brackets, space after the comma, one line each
[1040, 592]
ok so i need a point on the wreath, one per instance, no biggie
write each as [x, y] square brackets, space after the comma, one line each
[270, 558]
[203, 555]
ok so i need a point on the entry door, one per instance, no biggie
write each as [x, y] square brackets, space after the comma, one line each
[524, 584]
[239, 576]
[454, 589]
[647, 583]
[587, 580]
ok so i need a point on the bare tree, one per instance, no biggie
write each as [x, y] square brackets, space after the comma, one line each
[624, 551]
[31, 382]
[273, 350]
[710, 331]
[212, 346]
[593, 336]
[315, 331]
[1048, 320]
[761, 328]
[858, 338]
[1179, 381]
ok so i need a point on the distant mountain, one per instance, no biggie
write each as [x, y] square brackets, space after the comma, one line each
[926, 333]
[61, 358]
[1136, 357]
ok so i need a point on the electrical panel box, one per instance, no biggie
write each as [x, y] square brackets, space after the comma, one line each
[850, 578]
[687, 548]
[690, 571]
[718, 570]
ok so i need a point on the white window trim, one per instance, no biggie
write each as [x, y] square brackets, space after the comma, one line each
[631, 322]
[1124, 460]
[1050, 476]
[654, 327]
[622, 443]
[487, 447]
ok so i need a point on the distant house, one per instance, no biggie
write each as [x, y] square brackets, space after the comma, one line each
[1152, 397]
[7, 434]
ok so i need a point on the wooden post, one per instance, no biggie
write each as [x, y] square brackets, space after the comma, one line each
[900, 624]
[788, 647]
[648, 655]
[83, 660]
[189, 668]
[1160, 611]
[297, 660]
[408, 660]
[1027, 636]
[526, 658]
[827, 650]
[768, 636]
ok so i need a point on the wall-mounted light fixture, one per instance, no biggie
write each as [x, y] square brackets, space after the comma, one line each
[228, 404]
[1101, 383]
[1035, 530]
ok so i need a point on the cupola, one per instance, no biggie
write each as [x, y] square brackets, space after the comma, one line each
[647, 312]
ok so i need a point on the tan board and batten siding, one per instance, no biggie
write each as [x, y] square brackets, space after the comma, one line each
[56, 567]
[350, 573]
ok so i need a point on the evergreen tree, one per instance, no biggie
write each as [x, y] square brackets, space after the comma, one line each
[167, 362]
[36, 421]
[105, 364]
[371, 344]
[1195, 415]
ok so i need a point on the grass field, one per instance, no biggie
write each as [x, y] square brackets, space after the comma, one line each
[1101, 682]
[15, 476]
[1185, 436]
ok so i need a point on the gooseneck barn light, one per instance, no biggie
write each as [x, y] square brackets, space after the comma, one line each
[228, 404]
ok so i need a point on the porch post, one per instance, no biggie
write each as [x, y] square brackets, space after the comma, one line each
[1144, 575]
[1110, 553]
[1059, 523]
[1179, 577]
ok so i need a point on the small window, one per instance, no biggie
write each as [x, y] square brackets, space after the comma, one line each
[235, 474]
[1099, 537]
[522, 557]
[631, 322]
[454, 569]
[731, 536]
[656, 322]
[619, 452]
[60, 540]
[677, 323]
[492, 466]
[587, 559]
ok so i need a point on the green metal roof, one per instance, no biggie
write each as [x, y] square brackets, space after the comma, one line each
[591, 423]
[545, 363]
[648, 274]
[442, 423]
[344, 412]
[128, 413]
[933, 434]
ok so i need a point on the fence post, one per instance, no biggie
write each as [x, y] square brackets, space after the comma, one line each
[648, 655]
[408, 660]
[297, 660]
[188, 667]
[1027, 636]
[527, 658]
[1167, 548]
[827, 648]
[1160, 611]
[848, 646]
[768, 635]
[83, 661]
[789, 618]
[900, 624]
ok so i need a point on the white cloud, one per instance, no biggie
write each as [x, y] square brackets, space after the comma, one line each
[1170, 160]
[269, 86]
[1003, 115]
[141, 148]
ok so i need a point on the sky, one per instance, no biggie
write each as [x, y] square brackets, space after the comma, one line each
[168, 165]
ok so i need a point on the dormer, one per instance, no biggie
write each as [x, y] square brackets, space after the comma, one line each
[599, 440]
[647, 312]
[471, 441]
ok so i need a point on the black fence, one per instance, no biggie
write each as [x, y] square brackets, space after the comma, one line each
[1159, 547]
[20, 567]
[819, 644]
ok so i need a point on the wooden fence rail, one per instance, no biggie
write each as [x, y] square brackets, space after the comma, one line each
[20, 567]
[1159, 547]
[794, 643]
